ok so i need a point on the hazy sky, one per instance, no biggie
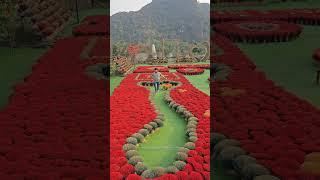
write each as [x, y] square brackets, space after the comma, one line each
[132, 5]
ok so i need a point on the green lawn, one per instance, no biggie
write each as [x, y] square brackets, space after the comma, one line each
[160, 148]
[290, 64]
[201, 81]
[14, 66]
[115, 82]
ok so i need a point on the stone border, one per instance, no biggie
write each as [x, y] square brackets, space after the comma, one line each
[228, 152]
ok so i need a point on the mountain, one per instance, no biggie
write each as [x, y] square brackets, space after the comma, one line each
[186, 20]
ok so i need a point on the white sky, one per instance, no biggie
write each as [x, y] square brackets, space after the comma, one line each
[132, 5]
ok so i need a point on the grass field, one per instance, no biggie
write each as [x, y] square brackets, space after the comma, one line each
[161, 147]
[290, 64]
[115, 82]
[14, 66]
[201, 81]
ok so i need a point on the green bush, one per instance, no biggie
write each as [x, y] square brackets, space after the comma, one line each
[160, 117]
[154, 125]
[181, 156]
[132, 140]
[159, 171]
[172, 169]
[135, 159]
[131, 153]
[159, 122]
[174, 106]
[189, 130]
[193, 119]
[138, 136]
[193, 122]
[144, 132]
[191, 126]
[148, 174]
[179, 165]
[128, 147]
[193, 138]
[184, 150]
[148, 127]
[190, 145]
[140, 168]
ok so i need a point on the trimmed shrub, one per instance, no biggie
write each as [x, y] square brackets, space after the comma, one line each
[159, 122]
[193, 138]
[184, 150]
[179, 164]
[159, 171]
[189, 130]
[135, 159]
[187, 114]
[172, 169]
[148, 174]
[140, 168]
[193, 122]
[181, 156]
[191, 126]
[144, 132]
[190, 145]
[131, 153]
[128, 147]
[154, 125]
[193, 119]
[138, 136]
[132, 140]
[148, 127]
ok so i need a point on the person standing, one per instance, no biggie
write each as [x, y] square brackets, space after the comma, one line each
[156, 75]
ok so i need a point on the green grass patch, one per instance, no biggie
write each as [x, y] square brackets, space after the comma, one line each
[290, 64]
[115, 82]
[15, 64]
[161, 147]
[200, 81]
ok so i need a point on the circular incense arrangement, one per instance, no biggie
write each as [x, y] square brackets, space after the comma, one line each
[190, 71]
[258, 32]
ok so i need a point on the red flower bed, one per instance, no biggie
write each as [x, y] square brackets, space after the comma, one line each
[258, 31]
[299, 16]
[177, 66]
[316, 55]
[190, 71]
[92, 25]
[278, 131]
[150, 69]
[147, 76]
[198, 103]
[54, 117]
